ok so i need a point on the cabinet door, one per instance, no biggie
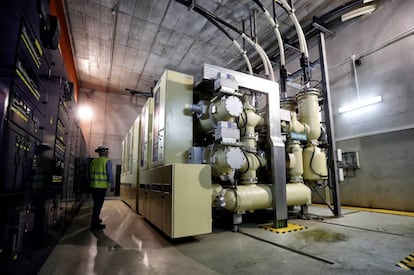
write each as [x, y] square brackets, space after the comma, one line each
[147, 204]
[156, 205]
[191, 200]
[167, 209]
[141, 199]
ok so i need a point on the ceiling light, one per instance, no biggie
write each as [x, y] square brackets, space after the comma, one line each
[358, 12]
[360, 104]
[85, 112]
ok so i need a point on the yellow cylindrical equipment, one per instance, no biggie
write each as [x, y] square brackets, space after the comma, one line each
[298, 194]
[314, 163]
[250, 118]
[248, 197]
[226, 109]
[248, 170]
[295, 161]
[205, 124]
[226, 159]
[247, 122]
[297, 126]
[254, 197]
[216, 190]
[308, 108]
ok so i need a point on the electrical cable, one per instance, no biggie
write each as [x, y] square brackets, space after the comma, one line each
[311, 161]
[258, 159]
[323, 199]
[235, 43]
[244, 122]
[211, 16]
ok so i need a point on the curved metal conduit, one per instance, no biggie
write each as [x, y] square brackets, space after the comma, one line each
[283, 72]
[301, 38]
[257, 47]
[212, 17]
[235, 43]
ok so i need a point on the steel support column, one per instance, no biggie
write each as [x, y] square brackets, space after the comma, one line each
[332, 158]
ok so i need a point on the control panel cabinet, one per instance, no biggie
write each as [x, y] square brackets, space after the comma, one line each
[56, 132]
[35, 200]
[130, 171]
[172, 125]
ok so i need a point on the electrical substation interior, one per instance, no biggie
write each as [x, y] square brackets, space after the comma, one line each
[260, 132]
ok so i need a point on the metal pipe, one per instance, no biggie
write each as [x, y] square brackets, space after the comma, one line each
[302, 41]
[245, 57]
[259, 196]
[283, 72]
[355, 76]
[263, 56]
[235, 43]
[299, 31]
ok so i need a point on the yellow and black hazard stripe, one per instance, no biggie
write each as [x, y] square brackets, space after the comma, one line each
[407, 263]
[290, 228]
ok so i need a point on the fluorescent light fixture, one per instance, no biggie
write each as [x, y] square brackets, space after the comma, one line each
[360, 104]
[359, 12]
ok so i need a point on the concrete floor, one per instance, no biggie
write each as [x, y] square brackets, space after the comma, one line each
[358, 243]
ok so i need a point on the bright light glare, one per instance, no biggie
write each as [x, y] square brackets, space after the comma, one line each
[360, 104]
[85, 112]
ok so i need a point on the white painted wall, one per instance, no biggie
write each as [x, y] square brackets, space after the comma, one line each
[113, 115]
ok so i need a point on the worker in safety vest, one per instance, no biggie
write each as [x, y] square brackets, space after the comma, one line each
[101, 178]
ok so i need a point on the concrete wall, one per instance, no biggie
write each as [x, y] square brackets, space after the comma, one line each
[113, 115]
[383, 133]
[385, 179]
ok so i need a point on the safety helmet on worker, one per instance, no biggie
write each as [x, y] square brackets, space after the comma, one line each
[101, 149]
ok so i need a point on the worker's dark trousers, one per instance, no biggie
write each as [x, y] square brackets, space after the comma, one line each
[98, 195]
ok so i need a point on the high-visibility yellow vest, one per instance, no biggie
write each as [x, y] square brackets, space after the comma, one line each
[98, 176]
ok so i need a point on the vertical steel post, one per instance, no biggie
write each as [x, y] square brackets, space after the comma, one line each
[332, 158]
[279, 184]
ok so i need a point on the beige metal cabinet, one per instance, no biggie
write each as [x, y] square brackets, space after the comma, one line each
[179, 199]
[172, 123]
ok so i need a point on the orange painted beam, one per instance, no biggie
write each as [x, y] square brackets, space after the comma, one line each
[57, 9]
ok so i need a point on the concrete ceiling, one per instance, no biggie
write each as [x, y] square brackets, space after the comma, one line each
[120, 44]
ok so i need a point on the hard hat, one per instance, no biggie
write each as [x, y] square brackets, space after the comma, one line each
[101, 149]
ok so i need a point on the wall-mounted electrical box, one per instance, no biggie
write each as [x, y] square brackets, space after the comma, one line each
[350, 159]
[348, 162]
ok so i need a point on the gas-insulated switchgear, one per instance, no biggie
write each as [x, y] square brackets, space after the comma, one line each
[227, 143]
